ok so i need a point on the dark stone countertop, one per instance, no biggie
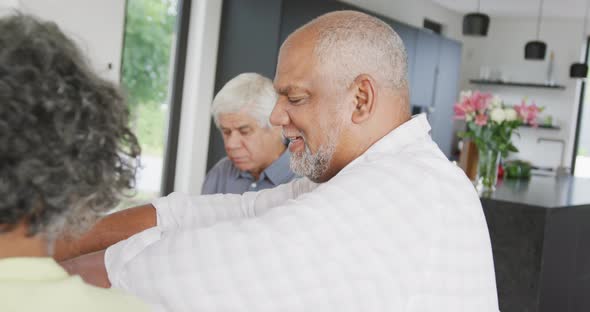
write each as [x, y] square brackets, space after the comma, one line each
[540, 235]
[543, 192]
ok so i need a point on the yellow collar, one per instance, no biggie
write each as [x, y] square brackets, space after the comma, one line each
[31, 269]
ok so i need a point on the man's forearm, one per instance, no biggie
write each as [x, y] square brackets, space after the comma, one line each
[90, 267]
[108, 231]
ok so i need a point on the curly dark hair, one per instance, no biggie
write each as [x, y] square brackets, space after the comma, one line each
[66, 151]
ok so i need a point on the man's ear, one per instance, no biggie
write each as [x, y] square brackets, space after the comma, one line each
[364, 98]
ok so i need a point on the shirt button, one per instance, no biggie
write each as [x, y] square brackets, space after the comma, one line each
[253, 185]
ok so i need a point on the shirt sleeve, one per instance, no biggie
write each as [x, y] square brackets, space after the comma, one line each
[180, 215]
[289, 257]
[182, 210]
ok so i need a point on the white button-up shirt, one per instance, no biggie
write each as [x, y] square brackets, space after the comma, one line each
[400, 228]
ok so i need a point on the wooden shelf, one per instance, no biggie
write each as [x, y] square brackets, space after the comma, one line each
[516, 84]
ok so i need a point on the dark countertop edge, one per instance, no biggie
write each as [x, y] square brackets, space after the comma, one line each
[532, 206]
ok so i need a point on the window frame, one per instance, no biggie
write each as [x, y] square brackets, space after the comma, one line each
[580, 111]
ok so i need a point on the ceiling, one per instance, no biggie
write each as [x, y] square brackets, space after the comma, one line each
[519, 8]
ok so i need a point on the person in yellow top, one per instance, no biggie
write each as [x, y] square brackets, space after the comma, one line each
[66, 156]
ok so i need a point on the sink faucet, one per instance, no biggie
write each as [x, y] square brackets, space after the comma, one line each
[560, 168]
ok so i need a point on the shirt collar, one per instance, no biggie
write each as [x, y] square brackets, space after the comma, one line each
[417, 128]
[30, 269]
[278, 172]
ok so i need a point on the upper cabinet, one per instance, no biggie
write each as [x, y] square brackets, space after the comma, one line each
[295, 13]
[426, 58]
[409, 36]
[446, 89]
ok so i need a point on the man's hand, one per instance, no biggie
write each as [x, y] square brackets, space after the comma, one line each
[90, 267]
[108, 231]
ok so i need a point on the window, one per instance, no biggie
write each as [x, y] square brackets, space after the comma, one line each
[581, 159]
[154, 38]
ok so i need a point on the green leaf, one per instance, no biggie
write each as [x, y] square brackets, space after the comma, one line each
[149, 34]
[512, 148]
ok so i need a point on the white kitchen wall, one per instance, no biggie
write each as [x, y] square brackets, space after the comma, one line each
[96, 26]
[503, 50]
[413, 13]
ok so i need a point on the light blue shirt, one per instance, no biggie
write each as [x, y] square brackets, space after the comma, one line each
[225, 178]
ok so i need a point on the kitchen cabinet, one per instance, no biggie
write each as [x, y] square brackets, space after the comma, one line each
[445, 91]
[409, 36]
[425, 69]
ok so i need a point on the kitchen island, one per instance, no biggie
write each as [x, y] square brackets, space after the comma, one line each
[540, 234]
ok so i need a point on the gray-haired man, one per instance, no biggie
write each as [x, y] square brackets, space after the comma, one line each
[256, 153]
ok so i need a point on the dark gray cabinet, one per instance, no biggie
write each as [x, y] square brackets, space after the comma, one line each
[426, 59]
[409, 35]
[433, 74]
[296, 13]
[248, 42]
[446, 88]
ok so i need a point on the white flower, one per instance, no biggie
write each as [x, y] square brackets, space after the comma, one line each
[496, 102]
[510, 114]
[465, 94]
[498, 115]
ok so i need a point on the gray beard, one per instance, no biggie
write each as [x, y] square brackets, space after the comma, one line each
[313, 166]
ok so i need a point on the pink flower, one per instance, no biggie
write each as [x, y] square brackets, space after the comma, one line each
[477, 102]
[481, 120]
[461, 111]
[527, 113]
[480, 101]
[532, 113]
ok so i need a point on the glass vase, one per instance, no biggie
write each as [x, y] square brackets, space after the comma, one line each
[487, 169]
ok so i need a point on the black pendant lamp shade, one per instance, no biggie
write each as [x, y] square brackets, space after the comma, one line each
[535, 50]
[579, 70]
[476, 24]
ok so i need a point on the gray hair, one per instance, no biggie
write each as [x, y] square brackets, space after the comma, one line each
[354, 43]
[249, 93]
[66, 151]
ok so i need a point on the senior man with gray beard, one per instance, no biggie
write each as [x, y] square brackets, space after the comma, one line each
[383, 222]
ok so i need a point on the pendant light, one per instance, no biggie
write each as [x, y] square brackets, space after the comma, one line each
[580, 70]
[535, 50]
[476, 24]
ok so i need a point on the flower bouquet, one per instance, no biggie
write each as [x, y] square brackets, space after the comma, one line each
[490, 125]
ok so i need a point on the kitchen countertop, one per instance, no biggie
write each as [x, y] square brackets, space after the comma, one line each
[540, 235]
[543, 192]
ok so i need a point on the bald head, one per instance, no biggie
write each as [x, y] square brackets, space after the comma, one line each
[351, 43]
[342, 86]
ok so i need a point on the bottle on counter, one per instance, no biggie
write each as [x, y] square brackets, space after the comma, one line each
[550, 75]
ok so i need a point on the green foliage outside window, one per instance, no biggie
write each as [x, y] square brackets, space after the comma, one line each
[149, 39]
